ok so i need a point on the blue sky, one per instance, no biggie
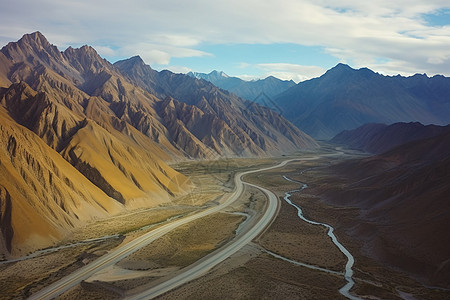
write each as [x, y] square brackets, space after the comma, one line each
[290, 39]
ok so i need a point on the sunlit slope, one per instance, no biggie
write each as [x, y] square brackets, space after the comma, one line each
[116, 167]
[125, 171]
[42, 196]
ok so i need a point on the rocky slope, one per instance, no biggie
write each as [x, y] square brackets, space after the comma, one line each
[83, 139]
[237, 127]
[379, 138]
[344, 99]
[42, 196]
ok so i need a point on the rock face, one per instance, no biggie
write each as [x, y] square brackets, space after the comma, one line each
[250, 90]
[344, 99]
[42, 196]
[82, 138]
[379, 138]
[404, 199]
[218, 121]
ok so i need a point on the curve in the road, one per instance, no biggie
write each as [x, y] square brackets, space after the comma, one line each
[229, 249]
[64, 284]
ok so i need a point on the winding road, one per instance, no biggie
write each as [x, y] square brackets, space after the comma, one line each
[118, 254]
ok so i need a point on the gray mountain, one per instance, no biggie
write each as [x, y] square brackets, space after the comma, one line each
[379, 138]
[344, 98]
[250, 90]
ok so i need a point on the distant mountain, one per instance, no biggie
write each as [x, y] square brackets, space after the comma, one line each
[214, 119]
[344, 98]
[82, 138]
[250, 90]
[404, 197]
[379, 138]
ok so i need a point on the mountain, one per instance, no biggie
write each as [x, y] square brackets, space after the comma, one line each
[404, 197]
[214, 76]
[199, 113]
[344, 98]
[250, 90]
[379, 138]
[42, 196]
[83, 138]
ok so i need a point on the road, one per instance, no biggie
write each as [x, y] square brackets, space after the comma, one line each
[118, 254]
[223, 253]
[217, 257]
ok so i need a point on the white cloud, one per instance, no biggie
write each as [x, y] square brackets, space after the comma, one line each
[356, 31]
[105, 50]
[159, 53]
[178, 69]
[288, 71]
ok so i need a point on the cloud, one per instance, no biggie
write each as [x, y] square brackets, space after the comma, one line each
[178, 69]
[105, 50]
[288, 71]
[362, 32]
[159, 53]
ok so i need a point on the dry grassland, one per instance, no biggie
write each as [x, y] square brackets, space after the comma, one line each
[186, 244]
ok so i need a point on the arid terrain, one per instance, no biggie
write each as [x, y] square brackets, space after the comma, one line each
[291, 259]
[255, 272]
[212, 180]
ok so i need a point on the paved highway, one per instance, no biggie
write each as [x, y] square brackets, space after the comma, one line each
[118, 254]
[220, 255]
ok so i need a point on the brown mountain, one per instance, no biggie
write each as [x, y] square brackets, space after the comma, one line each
[102, 174]
[404, 197]
[42, 196]
[82, 139]
[238, 127]
[379, 138]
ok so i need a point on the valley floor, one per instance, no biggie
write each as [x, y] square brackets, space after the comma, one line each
[276, 265]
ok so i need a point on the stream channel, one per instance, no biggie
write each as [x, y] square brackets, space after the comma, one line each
[348, 274]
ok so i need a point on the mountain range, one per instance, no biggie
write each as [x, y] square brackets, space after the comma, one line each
[379, 138]
[344, 98]
[256, 90]
[83, 138]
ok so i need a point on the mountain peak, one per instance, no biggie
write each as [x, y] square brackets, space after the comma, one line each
[29, 46]
[137, 59]
[345, 70]
[339, 70]
[342, 67]
[86, 49]
[36, 40]
[133, 63]
[218, 74]
[36, 36]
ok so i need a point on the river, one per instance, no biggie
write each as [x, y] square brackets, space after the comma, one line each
[348, 274]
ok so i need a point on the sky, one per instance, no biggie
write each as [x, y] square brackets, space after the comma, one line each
[289, 39]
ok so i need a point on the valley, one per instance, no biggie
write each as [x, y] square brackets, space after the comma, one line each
[290, 258]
